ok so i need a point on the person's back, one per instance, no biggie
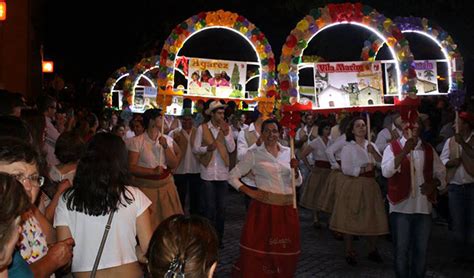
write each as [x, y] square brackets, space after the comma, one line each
[83, 211]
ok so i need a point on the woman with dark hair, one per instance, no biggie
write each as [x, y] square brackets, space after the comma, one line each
[152, 155]
[119, 130]
[183, 246]
[270, 241]
[99, 189]
[13, 203]
[69, 149]
[319, 173]
[359, 208]
[38, 245]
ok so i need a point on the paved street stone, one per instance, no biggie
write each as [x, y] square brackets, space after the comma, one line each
[323, 256]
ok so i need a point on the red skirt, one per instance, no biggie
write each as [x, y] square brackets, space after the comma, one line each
[270, 242]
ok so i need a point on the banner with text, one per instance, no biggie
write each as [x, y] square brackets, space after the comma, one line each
[346, 84]
[216, 78]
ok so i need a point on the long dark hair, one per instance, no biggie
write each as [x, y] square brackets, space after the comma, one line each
[101, 177]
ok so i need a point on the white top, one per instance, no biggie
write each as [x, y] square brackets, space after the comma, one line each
[460, 176]
[242, 149]
[216, 170]
[333, 151]
[51, 137]
[56, 175]
[189, 164]
[272, 174]
[304, 131]
[235, 131]
[335, 132]
[384, 137]
[354, 156]
[319, 148]
[87, 232]
[151, 153]
[419, 203]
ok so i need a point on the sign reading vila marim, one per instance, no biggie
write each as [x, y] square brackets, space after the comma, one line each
[345, 84]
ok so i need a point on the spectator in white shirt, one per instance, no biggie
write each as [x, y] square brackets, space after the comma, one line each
[213, 143]
[47, 106]
[270, 241]
[410, 204]
[458, 157]
[387, 135]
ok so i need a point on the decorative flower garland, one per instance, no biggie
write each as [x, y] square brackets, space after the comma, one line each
[107, 90]
[373, 44]
[319, 18]
[212, 19]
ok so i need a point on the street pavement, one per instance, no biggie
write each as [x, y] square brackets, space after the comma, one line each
[323, 256]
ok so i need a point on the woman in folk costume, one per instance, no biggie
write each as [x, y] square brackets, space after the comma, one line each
[327, 197]
[152, 155]
[359, 208]
[270, 241]
[320, 172]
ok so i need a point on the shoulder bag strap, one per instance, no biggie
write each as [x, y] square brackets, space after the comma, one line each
[102, 244]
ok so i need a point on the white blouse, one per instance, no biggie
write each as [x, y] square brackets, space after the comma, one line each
[272, 174]
[151, 153]
[319, 148]
[354, 156]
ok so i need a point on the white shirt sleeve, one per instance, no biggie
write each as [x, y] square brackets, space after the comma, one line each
[439, 171]
[382, 140]
[332, 149]
[141, 201]
[230, 142]
[133, 145]
[388, 163]
[197, 148]
[241, 169]
[242, 146]
[446, 152]
[60, 214]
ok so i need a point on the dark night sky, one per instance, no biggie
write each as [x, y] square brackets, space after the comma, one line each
[94, 38]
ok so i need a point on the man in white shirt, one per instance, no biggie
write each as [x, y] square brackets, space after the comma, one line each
[47, 106]
[213, 143]
[411, 205]
[187, 174]
[387, 135]
[458, 156]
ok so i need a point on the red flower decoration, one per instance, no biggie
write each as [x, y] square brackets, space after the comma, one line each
[291, 41]
[284, 85]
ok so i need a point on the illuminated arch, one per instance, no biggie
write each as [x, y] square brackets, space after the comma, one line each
[216, 20]
[109, 87]
[347, 13]
[428, 29]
